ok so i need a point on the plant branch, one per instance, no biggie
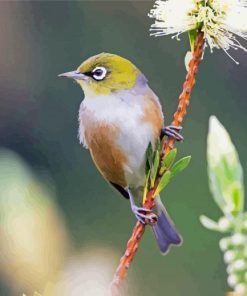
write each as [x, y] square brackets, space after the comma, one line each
[178, 117]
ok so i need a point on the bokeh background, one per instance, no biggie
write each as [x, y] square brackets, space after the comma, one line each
[62, 228]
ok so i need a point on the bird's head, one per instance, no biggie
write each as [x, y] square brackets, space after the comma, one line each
[104, 74]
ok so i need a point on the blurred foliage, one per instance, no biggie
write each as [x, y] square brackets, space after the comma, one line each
[226, 184]
[33, 238]
[35, 250]
[35, 294]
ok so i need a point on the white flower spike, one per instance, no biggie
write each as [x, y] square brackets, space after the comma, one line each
[220, 20]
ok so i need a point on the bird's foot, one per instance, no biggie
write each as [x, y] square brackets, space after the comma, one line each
[172, 131]
[145, 216]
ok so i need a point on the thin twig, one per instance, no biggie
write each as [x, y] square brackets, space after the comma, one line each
[178, 117]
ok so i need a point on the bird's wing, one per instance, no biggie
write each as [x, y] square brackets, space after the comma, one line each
[120, 189]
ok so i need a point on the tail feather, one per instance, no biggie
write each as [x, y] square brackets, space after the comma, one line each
[165, 231]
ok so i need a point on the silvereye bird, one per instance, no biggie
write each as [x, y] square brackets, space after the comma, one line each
[118, 118]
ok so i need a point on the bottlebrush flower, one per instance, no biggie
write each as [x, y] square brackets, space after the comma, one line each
[220, 20]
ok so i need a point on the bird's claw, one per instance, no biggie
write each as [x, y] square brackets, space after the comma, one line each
[145, 216]
[172, 131]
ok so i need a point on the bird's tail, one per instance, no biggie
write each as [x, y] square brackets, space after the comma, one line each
[164, 230]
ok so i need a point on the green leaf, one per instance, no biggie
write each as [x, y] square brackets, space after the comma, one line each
[209, 223]
[224, 170]
[155, 166]
[158, 145]
[146, 187]
[237, 198]
[192, 39]
[163, 182]
[149, 157]
[168, 160]
[180, 165]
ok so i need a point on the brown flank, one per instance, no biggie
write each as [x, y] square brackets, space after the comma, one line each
[107, 155]
[153, 114]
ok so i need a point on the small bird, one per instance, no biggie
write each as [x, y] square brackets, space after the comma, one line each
[118, 118]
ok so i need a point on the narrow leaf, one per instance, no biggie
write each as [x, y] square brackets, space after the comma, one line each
[168, 160]
[180, 165]
[170, 157]
[192, 39]
[145, 188]
[155, 167]
[158, 145]
[163, 182]
[149, 157]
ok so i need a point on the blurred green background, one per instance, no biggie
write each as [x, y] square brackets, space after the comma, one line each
[78, 210]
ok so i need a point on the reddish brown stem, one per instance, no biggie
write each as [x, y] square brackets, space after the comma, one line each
[178, 117]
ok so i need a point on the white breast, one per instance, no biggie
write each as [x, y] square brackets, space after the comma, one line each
[125, 110]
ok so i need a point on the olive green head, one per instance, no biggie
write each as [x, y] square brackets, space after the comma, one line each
[105, 73]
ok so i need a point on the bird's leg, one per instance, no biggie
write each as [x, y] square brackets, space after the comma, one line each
[145, 216]
[172, 131]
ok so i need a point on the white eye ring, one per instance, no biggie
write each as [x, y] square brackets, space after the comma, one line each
[99, 73]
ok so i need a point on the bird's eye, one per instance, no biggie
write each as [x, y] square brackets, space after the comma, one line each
[99, 73]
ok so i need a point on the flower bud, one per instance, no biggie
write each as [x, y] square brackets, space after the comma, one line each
[239, 264]
[229, 256]
[232, 280]
[224, 224]
[224, 243]
[238, 239]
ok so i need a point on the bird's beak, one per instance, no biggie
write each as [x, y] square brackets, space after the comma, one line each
[74, 75]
